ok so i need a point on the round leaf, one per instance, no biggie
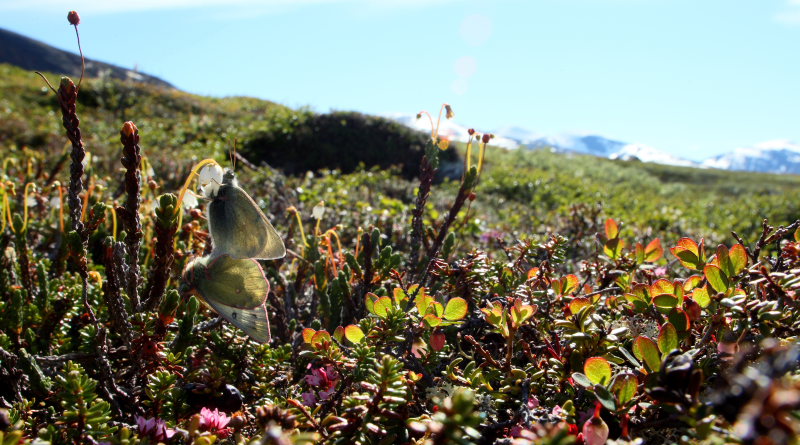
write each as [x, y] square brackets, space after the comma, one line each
[354, 333]
[456, 309]
[598, 370]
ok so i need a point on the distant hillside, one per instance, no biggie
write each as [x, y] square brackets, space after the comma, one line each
[33, 55]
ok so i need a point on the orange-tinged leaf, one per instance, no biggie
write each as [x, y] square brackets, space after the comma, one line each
[680, 319]
[320, 337]
[665, 302]
[654, 251]
[571, 285]
[667, 338]
[423, 302]
[533, 272]
[579, 303]
[612, 230]
[338, 333]
[716, 278]
[308, 334]
[692, 282]
[662, 286]
[598, 370]
[738, 257]
[354, 333]
[646, 351]
[431, 320]
[690, 245]
[456, 309]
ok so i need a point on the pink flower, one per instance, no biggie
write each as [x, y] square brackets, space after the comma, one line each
[533, 402]
[325, 395]
[154, 429]
[215, 422]
[322, 382]
[309, 399]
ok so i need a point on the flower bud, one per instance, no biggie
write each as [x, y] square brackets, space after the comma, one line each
[471, 131]
[487, 137]
[73, 18]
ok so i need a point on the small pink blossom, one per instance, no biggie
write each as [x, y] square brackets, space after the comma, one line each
[309, 399]
[533, 402]
[154, 429]
[215, 422]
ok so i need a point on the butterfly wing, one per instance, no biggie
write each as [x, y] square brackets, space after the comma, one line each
[240, 229]
[237, 290]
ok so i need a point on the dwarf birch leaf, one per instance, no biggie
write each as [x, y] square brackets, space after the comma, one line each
[598, 370]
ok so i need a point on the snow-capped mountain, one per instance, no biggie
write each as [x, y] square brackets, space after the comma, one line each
[447, 128]
[778, 156]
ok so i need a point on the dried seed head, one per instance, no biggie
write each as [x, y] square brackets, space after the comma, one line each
[487, 137]
[449, 111]
[73, 18]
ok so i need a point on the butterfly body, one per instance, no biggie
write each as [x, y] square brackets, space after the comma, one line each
[234, 288]
[238, 226]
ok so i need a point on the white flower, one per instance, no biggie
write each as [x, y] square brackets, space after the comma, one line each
[31, 201]
[189, 201]
[210, 173]
[55, 202]
[210, 178]
[318, 210]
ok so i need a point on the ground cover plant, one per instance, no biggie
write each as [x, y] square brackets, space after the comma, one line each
[535, 299]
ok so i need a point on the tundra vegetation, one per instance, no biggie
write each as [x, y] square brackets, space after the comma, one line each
[517, 297]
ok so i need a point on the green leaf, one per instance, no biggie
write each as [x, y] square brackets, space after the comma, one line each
[613, 248]
[646, 350]
[423, 302]
[582, 380]
[665, 302]
[598, 370]
[701, 297]
[456, 309]
[353, 333]
[667, 338]
[369, 302]
[432, 321]
[338, 333]
[605, 398]
[382, 306]
[624, 387]
[716, 278]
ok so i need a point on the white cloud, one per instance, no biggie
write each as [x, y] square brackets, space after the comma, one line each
[113, 6]
[791, 14]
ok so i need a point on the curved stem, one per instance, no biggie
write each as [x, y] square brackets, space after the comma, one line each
[195, 172]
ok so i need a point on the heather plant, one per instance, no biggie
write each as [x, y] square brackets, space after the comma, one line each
[497, 307]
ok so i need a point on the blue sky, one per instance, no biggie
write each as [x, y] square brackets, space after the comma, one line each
[691, 77]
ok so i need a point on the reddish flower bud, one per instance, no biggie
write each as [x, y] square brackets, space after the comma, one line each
[487, 137]
[471, 131]
[129, 129]
[472, 196]
[74, 18]
[437, 340]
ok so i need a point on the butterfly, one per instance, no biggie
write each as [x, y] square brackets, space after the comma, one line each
[238, 226]
[234, 288]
